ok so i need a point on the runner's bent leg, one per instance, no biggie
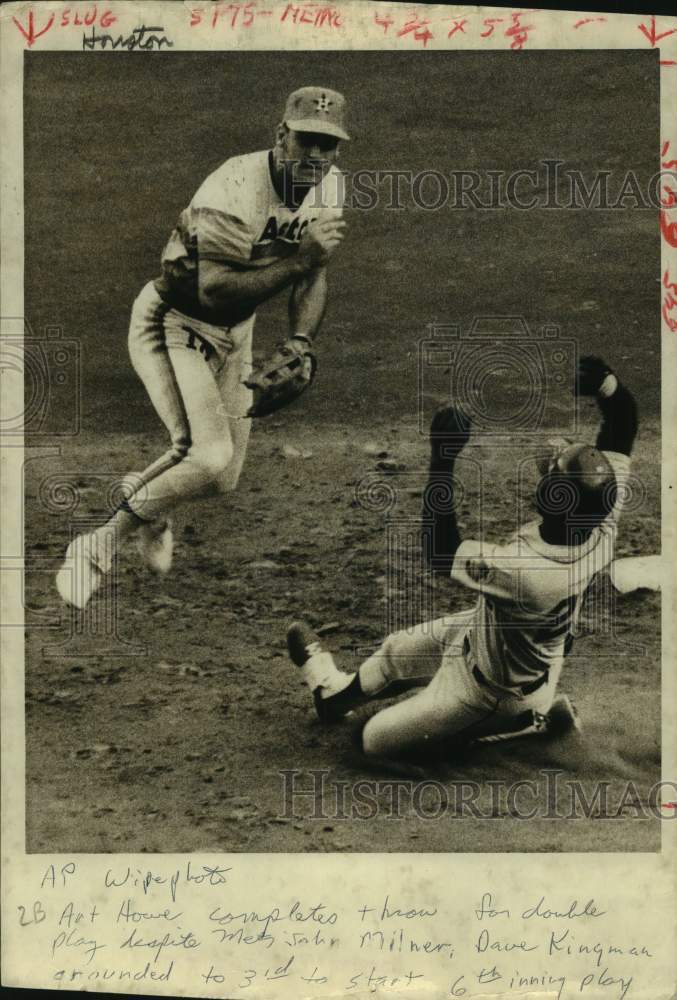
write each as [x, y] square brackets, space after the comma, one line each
[453, 707]
[411, 653]
[453, 703]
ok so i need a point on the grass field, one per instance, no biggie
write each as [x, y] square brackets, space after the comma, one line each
[171, 736]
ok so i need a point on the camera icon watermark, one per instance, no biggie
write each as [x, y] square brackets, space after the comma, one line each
[506, 378]
[41, 381]
[65, 505]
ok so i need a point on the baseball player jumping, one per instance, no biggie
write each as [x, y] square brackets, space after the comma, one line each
[485, 670]
[260, 224]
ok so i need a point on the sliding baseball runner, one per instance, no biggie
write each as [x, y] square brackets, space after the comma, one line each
[486, 670]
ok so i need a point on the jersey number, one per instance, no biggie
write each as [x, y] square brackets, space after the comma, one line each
[197, 342]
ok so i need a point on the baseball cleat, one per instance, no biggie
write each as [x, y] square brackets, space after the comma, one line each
[563, 717]
[334, 693]
[82, 571]
[155, 544]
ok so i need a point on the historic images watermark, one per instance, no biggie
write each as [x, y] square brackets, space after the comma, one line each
[305, 795]
[547, 184]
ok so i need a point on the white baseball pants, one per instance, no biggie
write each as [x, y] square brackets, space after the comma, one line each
[193, 374]
[453, 704]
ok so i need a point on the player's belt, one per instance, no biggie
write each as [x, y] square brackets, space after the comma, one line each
[527, 688]
[190, 307]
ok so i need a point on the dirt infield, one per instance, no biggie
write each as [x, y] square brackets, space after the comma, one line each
[169, 730]
[181, 746]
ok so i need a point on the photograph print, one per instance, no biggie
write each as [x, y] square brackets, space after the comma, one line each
[342, 473]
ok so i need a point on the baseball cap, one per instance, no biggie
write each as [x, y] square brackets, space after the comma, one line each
[316, 109]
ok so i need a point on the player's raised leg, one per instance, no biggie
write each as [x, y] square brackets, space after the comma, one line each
[150, 358]
[89, 557]
[211, 447]
[182, 386]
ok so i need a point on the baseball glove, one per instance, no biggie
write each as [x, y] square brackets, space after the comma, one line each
[281, 379]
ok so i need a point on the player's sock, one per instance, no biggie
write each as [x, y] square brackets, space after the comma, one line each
[122, 525]
[348, 692]
[100, 547]
[335, 693]
[333, 705]
[88, 558]
[321, 673]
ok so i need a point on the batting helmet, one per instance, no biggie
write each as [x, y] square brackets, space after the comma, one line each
[577, 485]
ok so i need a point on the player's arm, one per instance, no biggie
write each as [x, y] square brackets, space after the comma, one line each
[487, 569]
[616, 403]
[222, 286]
[307, 304]
[308, 299]
[449, 432]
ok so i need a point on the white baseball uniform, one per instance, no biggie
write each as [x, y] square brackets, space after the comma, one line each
[192, 368]
[504, 655]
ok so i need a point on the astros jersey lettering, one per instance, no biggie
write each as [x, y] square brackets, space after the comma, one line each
[530, 594]
[239, 218]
